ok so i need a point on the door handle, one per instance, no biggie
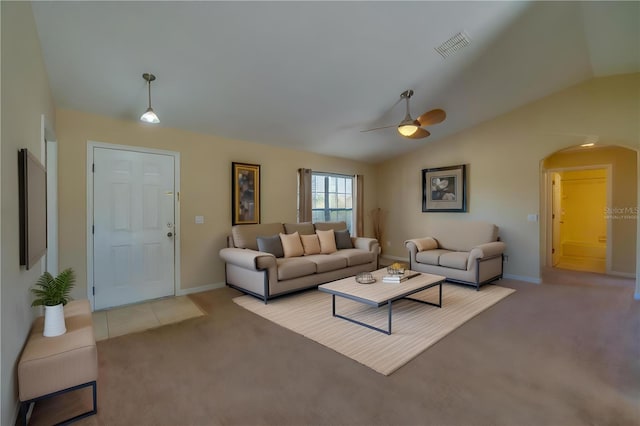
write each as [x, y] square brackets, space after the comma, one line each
[170, 234]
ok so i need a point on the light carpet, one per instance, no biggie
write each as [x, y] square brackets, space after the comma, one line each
[415, 326]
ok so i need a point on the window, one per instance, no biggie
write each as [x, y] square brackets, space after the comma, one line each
[332, 198]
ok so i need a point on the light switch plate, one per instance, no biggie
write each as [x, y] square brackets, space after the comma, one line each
[532, 217]
[199, 219]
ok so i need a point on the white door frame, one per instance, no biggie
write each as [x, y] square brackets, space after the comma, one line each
[549, 212]
[177, 231]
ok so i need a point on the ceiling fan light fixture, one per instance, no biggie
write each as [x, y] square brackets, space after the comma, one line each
[149, 115]
[408, 129]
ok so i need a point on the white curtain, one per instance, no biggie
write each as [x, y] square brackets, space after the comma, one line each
[304, 195]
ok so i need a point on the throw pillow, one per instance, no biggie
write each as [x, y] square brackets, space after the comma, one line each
[343, 239]
[310, 243]
[327, 241]
[291, 245]
[423, 244]
[271, 244]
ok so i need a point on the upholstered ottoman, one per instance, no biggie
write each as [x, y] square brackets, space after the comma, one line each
[53, 365]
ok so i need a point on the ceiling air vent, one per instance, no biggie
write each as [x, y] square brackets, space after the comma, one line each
[454, 44]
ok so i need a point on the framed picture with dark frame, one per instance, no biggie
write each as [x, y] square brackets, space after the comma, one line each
[444, 189]
[245, 193]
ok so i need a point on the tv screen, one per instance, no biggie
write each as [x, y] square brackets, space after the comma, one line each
[33, 208]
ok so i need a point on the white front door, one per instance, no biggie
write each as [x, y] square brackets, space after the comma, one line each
[133, 219]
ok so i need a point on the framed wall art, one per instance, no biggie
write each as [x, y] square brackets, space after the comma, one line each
[245, 203]
[444, 189]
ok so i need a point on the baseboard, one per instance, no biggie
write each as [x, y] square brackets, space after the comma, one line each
[621, 274]
[207, 287]
[523, 278]
[398, 258]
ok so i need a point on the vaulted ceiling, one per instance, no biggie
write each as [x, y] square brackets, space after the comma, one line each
[312, 75]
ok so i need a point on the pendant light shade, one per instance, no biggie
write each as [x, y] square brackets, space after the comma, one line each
[149, 116]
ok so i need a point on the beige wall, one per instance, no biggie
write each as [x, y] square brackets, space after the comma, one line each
[25, 98]
[205, 187]
[504, 156]
[624, 184]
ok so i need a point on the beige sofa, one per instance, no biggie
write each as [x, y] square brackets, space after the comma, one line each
[267, 275]
[464, 252]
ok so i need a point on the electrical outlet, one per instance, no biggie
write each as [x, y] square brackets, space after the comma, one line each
[506, 258]
[388, 243]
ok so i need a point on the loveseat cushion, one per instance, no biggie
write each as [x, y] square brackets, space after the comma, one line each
[464, 236]
[455, 259]
[325, 263]
[355, 256]
[245, 236]
[304, 228]
[325, 226]
[431, 257]
[294, 267]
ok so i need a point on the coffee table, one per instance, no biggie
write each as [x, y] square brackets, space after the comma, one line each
[381, 293]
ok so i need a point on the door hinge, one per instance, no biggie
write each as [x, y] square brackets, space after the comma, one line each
[93, 229]
[553, 251]
[93, 167]
[93, 290]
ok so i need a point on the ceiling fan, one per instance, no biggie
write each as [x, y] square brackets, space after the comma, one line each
[413, 129]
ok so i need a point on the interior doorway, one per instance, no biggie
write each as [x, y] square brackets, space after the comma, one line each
[580, 233]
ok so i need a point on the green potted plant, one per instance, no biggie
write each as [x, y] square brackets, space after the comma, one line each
[53, 294]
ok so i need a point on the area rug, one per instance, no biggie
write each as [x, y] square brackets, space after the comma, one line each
[415, 326]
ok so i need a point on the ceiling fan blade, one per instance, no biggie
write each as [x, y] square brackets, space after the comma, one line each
[378, 128]
[419, 134]
[434, 116]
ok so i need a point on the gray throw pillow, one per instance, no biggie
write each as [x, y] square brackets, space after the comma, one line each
[271, 244]
[343, 239]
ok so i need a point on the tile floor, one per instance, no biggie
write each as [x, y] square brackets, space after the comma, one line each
[143, 316]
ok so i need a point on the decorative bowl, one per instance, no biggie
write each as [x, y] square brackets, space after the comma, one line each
[365, 278]
[396, 269]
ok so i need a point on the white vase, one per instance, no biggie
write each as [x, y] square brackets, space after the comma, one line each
[54, 321]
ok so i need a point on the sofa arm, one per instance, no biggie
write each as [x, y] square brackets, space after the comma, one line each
[495, 248]
[368, 244]
[249, 259]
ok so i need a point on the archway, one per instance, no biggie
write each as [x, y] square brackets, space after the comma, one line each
[616, 229]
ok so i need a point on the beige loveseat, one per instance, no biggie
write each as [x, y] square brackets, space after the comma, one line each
[269, 274]
[464, 252]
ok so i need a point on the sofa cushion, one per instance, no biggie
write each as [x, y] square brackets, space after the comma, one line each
[325, 263]
[292, 245]
[311, 244]
[430, 257]
[304, 228]
[245, 236]
[356, 256]
[294, 267]
[343, 239]
[272, 244]
[456, 260]
[327, 241]
[463, 236]
[325, 226]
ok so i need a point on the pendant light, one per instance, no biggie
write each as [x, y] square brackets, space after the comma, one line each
[149, 116]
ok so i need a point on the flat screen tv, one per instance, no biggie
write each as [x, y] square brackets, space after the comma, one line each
[33, 208]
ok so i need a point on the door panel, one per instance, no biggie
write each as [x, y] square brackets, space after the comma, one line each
[133, 214]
